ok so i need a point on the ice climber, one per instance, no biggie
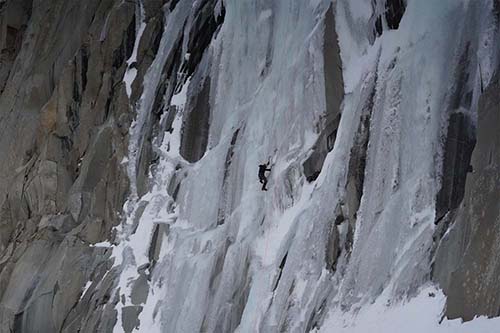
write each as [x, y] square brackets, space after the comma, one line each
[262, 175]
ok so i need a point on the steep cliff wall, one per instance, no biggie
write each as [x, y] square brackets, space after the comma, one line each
[466, 262]
[131, 132]
[64, 122]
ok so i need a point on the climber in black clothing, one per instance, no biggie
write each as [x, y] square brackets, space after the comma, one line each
[262, 175]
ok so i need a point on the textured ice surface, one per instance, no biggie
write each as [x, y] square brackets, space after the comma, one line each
[234, 258]
[417, 73]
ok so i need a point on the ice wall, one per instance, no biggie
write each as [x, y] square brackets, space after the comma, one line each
[351, 211]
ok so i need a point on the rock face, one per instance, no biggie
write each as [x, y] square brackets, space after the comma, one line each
[14, 19]
[387, 14]
[131, 132]
[467, 263]
[328, 125]
[64, 120]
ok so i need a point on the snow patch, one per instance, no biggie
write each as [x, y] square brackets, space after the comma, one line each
[131, 72]
[419, 314]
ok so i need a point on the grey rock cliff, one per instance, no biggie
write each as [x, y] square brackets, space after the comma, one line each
[64, 115]
[467, 263]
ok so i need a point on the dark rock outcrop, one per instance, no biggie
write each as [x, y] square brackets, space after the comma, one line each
[14, 16]
[334, 91]
[196, 124]
[387, 15]
[466, 263]
[458, 150]
[395, 10]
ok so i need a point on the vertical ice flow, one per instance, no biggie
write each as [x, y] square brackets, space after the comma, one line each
[234, 258]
